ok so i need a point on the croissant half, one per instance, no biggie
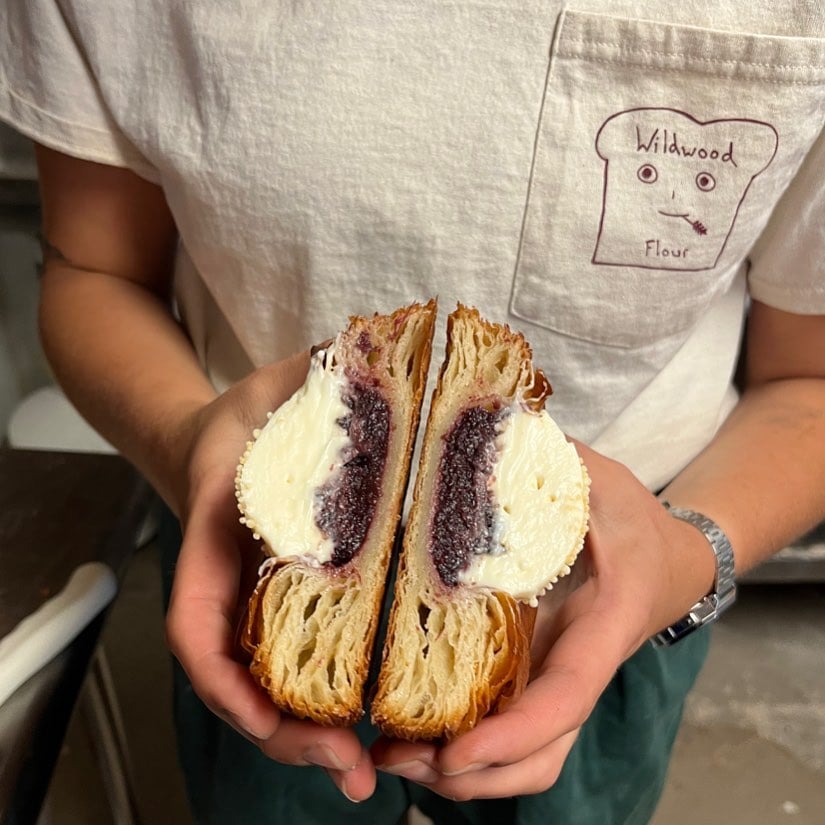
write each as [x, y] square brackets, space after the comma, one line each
[499, 513]
[323, 485]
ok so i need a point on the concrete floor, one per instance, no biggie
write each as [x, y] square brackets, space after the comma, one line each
[751, 750]
[752, 744]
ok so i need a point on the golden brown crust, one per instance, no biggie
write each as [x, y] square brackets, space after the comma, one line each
[310, 630]
[455, 654]
[510, 369]
[496, 621]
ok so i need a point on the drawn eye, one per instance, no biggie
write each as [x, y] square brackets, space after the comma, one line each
[705, 181]
[647, 173]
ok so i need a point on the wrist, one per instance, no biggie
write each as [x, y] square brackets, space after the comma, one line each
[704, 580]
[166, 455]
[693, 567]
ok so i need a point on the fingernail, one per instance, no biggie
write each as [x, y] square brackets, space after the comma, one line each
[340, 780]
[476, 766]
[416, 771]
[325, 757]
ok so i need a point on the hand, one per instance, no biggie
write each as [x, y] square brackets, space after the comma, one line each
[641, 569]
[216, 573]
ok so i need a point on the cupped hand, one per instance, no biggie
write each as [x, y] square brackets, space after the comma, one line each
[640, 570]
[216, 572]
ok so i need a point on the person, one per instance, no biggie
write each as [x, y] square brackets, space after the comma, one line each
[625, 182]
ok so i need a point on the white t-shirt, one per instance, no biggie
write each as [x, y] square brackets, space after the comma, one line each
[612, 179]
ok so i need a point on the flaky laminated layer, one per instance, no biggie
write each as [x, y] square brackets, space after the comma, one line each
[293, 456]
[308, 631]
[453, 660]
[540, 496]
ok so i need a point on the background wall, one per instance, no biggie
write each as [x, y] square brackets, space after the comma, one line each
[22, 365]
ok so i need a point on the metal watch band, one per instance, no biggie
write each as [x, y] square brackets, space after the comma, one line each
[723, 594]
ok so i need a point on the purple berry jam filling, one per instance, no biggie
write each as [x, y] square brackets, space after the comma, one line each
[346, 503]
[462, 524]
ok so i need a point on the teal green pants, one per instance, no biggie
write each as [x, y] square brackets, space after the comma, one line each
[613, 776]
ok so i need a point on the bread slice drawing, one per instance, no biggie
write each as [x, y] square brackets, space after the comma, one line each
[323, 485]
[499, 514]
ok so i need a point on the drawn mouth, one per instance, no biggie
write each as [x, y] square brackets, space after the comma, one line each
[698, 227]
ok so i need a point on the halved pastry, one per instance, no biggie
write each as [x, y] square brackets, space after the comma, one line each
[499, 514]
[323, 484]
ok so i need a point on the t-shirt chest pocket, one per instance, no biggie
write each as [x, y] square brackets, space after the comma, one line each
[661, 153]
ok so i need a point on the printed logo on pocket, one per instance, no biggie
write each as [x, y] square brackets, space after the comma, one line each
[673, 185]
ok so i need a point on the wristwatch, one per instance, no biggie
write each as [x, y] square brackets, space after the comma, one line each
[723, 595]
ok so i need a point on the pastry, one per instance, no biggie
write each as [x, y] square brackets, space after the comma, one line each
[322, 485]
[499, 513]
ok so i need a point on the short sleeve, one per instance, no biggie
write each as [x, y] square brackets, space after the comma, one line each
[788, 261]
[48, 91]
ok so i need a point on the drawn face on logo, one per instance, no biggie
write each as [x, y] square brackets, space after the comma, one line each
[673, 186]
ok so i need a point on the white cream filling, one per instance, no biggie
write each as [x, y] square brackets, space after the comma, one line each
[297, 451]
[540, 491]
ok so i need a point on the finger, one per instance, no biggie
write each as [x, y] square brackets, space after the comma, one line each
[397, 750]
[200, 625]
[577, 669]
[357, 784]
[413, 760]
[303, 742]
[535, 774]
[337, 750]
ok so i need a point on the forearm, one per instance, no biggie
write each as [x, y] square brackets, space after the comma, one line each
[762, 478]
[126, 365]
